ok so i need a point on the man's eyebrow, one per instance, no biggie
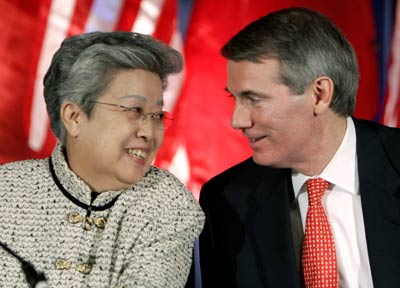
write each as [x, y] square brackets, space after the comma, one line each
[247, 93]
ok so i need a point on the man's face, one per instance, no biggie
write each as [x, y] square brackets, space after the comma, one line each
[277, 122]
[112, 151]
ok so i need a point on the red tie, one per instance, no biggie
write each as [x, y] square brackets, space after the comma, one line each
[319, 257]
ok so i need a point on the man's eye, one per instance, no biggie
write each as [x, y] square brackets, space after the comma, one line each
[253, 100]
[250, 100]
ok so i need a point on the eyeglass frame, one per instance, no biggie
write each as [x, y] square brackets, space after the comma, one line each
[143, 115]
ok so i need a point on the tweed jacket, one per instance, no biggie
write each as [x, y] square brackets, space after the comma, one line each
[138, 237]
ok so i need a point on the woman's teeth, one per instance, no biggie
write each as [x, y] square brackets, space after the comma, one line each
[137, 153]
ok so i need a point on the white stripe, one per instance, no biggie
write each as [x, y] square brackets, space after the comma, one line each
[175, 81]
[391, 117]
[58, 24]
[146, 19]
[104, 15]
[179, 165]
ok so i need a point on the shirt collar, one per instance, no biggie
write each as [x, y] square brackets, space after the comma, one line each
[341, 170]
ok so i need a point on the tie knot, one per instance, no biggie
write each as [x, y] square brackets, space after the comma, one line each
[316, 188]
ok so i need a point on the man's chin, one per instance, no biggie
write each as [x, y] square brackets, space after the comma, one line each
[261, 160]
[264, 160]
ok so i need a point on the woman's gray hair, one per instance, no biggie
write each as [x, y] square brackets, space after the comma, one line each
[307, 45]
[84, 65]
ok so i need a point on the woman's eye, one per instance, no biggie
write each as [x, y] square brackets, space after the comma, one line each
[135, 109]
[134, 112]
[158, 116]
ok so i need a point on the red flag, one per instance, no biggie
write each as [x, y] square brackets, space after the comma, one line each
[20, 23]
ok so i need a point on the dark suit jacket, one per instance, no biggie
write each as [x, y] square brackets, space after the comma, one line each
[247, 239]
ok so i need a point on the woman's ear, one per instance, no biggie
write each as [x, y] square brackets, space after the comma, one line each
[72, 117]
[323, 94]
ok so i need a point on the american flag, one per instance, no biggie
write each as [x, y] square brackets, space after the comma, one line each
[200, 143]
[391, 116]
[25, 131]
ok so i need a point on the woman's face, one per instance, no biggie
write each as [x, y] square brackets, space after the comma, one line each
[111, 149]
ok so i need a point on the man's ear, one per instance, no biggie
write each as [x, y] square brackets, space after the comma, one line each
[72, 117]
[323, 94]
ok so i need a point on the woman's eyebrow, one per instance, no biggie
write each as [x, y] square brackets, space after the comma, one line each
[141, 98]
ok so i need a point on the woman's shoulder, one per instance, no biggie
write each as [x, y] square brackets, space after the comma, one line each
[31, 167]
[163, 176]
[23, 177]
[166, 187]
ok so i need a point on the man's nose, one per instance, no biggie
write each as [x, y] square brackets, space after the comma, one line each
[241, 117]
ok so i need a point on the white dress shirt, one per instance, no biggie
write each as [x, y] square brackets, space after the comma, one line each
[342, 205]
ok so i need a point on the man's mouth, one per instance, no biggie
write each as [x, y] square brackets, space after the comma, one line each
[253, 140]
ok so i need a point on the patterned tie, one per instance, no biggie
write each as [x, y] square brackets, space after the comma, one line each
[319, 257]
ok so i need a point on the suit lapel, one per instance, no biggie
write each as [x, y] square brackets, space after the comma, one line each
[267, 224]
[381, 209]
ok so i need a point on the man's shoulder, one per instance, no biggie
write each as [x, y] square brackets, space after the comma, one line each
[386, 139]
[241, 171]
[380, 128]
[389, 137]
[245, 173]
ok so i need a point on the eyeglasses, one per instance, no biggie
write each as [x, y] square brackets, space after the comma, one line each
[160, 120]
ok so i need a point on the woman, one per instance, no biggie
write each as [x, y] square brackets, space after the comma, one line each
[96, 213]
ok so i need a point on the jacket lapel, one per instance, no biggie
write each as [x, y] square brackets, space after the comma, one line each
[267, 224]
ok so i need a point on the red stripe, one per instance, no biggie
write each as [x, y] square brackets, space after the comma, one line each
[17, 22]
[80, 16]
[128, 15]
[166, 21]
[37, 43]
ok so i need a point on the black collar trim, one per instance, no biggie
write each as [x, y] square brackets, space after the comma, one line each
[73, 199]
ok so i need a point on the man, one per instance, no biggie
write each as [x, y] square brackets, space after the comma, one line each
[294, 78]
